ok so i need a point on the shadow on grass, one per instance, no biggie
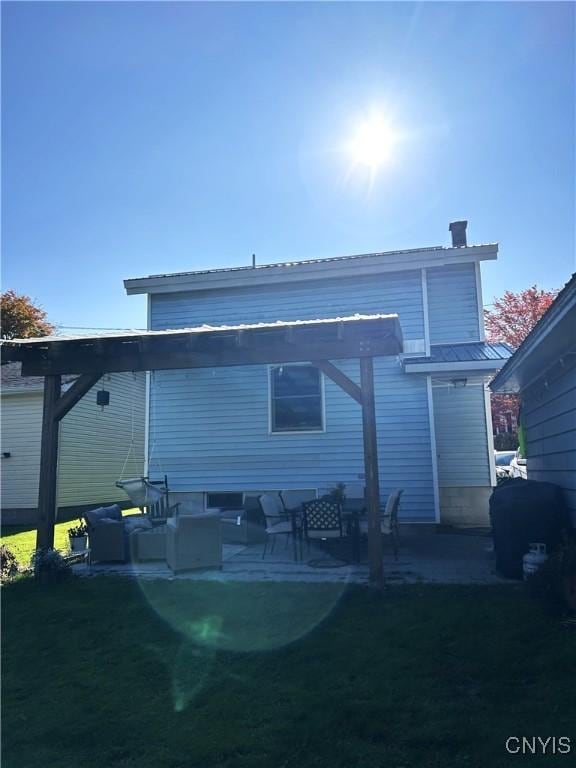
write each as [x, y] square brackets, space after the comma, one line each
[257, 675]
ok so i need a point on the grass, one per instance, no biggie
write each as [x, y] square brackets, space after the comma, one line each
[22, 539]
[108, 672]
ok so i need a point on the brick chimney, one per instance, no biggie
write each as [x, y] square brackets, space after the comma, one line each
[458, 229]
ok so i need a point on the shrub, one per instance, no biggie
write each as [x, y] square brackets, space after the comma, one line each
[8, 563]
[49, 565]
[507, 441]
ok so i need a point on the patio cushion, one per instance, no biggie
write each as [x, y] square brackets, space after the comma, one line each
[94, 516]
[137, 523]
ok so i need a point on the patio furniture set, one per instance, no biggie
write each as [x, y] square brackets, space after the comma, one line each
[327, 522]
[188, 537]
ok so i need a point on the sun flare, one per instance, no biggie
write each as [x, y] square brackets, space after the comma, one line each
[373, 143]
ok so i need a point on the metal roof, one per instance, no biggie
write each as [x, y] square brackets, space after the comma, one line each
[306, 262]
[474, 352]
[205, 328]
[209, 346]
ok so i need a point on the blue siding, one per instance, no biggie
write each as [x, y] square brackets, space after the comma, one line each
[397, 292]
[209, 431]
[453, 304]
[461, 435]
[209, 428]
[550, 416]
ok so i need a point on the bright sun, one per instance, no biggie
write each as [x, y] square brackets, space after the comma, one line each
[374, 142]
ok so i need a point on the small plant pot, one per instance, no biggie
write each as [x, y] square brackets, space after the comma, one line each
[78, 543]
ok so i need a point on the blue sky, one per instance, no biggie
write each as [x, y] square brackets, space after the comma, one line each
[142, 138]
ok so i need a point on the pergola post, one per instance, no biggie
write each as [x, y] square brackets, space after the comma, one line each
[48, 464]
[375, 563]
[56, 406]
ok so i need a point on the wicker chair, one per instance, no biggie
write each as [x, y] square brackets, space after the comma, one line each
[389, 521]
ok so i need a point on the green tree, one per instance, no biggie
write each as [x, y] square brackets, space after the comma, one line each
[21, 318]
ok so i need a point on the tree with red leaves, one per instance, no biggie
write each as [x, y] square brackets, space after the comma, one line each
[515, 314]
[512, 318]
[21, 318]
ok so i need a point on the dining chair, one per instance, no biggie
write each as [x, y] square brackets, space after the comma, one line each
[389, 520]
[278, 522]
[322, 521]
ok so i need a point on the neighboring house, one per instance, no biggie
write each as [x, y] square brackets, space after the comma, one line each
[96, 442]
[543, 372]
[220, 432]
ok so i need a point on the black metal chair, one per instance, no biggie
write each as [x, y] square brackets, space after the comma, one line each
[322, 522]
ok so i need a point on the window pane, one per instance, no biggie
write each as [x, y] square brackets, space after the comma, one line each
[297, 413]
[292, 380]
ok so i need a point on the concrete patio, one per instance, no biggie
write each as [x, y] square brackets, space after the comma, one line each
[436, 558]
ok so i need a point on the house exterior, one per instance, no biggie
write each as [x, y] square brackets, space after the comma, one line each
[543, 372]
[96, 443]
[235, 430]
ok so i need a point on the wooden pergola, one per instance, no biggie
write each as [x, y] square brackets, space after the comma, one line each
[314, 341]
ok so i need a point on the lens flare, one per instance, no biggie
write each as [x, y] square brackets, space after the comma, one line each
[373, 143]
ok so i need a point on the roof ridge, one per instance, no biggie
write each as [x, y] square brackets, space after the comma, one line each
[305, 262]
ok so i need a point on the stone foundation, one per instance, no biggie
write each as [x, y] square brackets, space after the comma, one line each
[465, 507]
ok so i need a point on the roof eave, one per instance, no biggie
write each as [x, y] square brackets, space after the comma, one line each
[488, 366]
[552, 337]
[340, 267]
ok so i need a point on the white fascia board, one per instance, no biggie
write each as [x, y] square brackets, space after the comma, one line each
[477, 365]
[311, 270]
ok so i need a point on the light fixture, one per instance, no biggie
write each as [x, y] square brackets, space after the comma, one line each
[459, 382]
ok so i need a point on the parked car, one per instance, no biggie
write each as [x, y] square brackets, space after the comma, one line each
[518, 466]
[503, 461]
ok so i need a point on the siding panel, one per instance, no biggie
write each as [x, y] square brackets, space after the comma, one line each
[21, 433]
[94, 442]
[461, 435]
[209, 431]
[398, 292]
[453, 304]
[550, 417]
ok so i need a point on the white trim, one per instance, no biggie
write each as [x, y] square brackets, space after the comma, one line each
[489, 436]
[481, 328]
[425, 309]
[365, 264]
[474, 365]
[146, 467]
[322, 395]
[433, 449]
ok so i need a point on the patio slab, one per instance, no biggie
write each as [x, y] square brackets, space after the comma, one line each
[436, 558]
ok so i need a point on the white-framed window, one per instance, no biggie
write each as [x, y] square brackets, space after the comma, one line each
[296, 399]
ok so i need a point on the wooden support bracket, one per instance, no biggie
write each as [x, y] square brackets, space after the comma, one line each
[339, 378]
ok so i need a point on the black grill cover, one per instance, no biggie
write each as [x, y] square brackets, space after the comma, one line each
[522, 512]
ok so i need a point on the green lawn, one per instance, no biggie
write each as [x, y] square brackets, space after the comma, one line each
[22, 539]
[108, 672]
